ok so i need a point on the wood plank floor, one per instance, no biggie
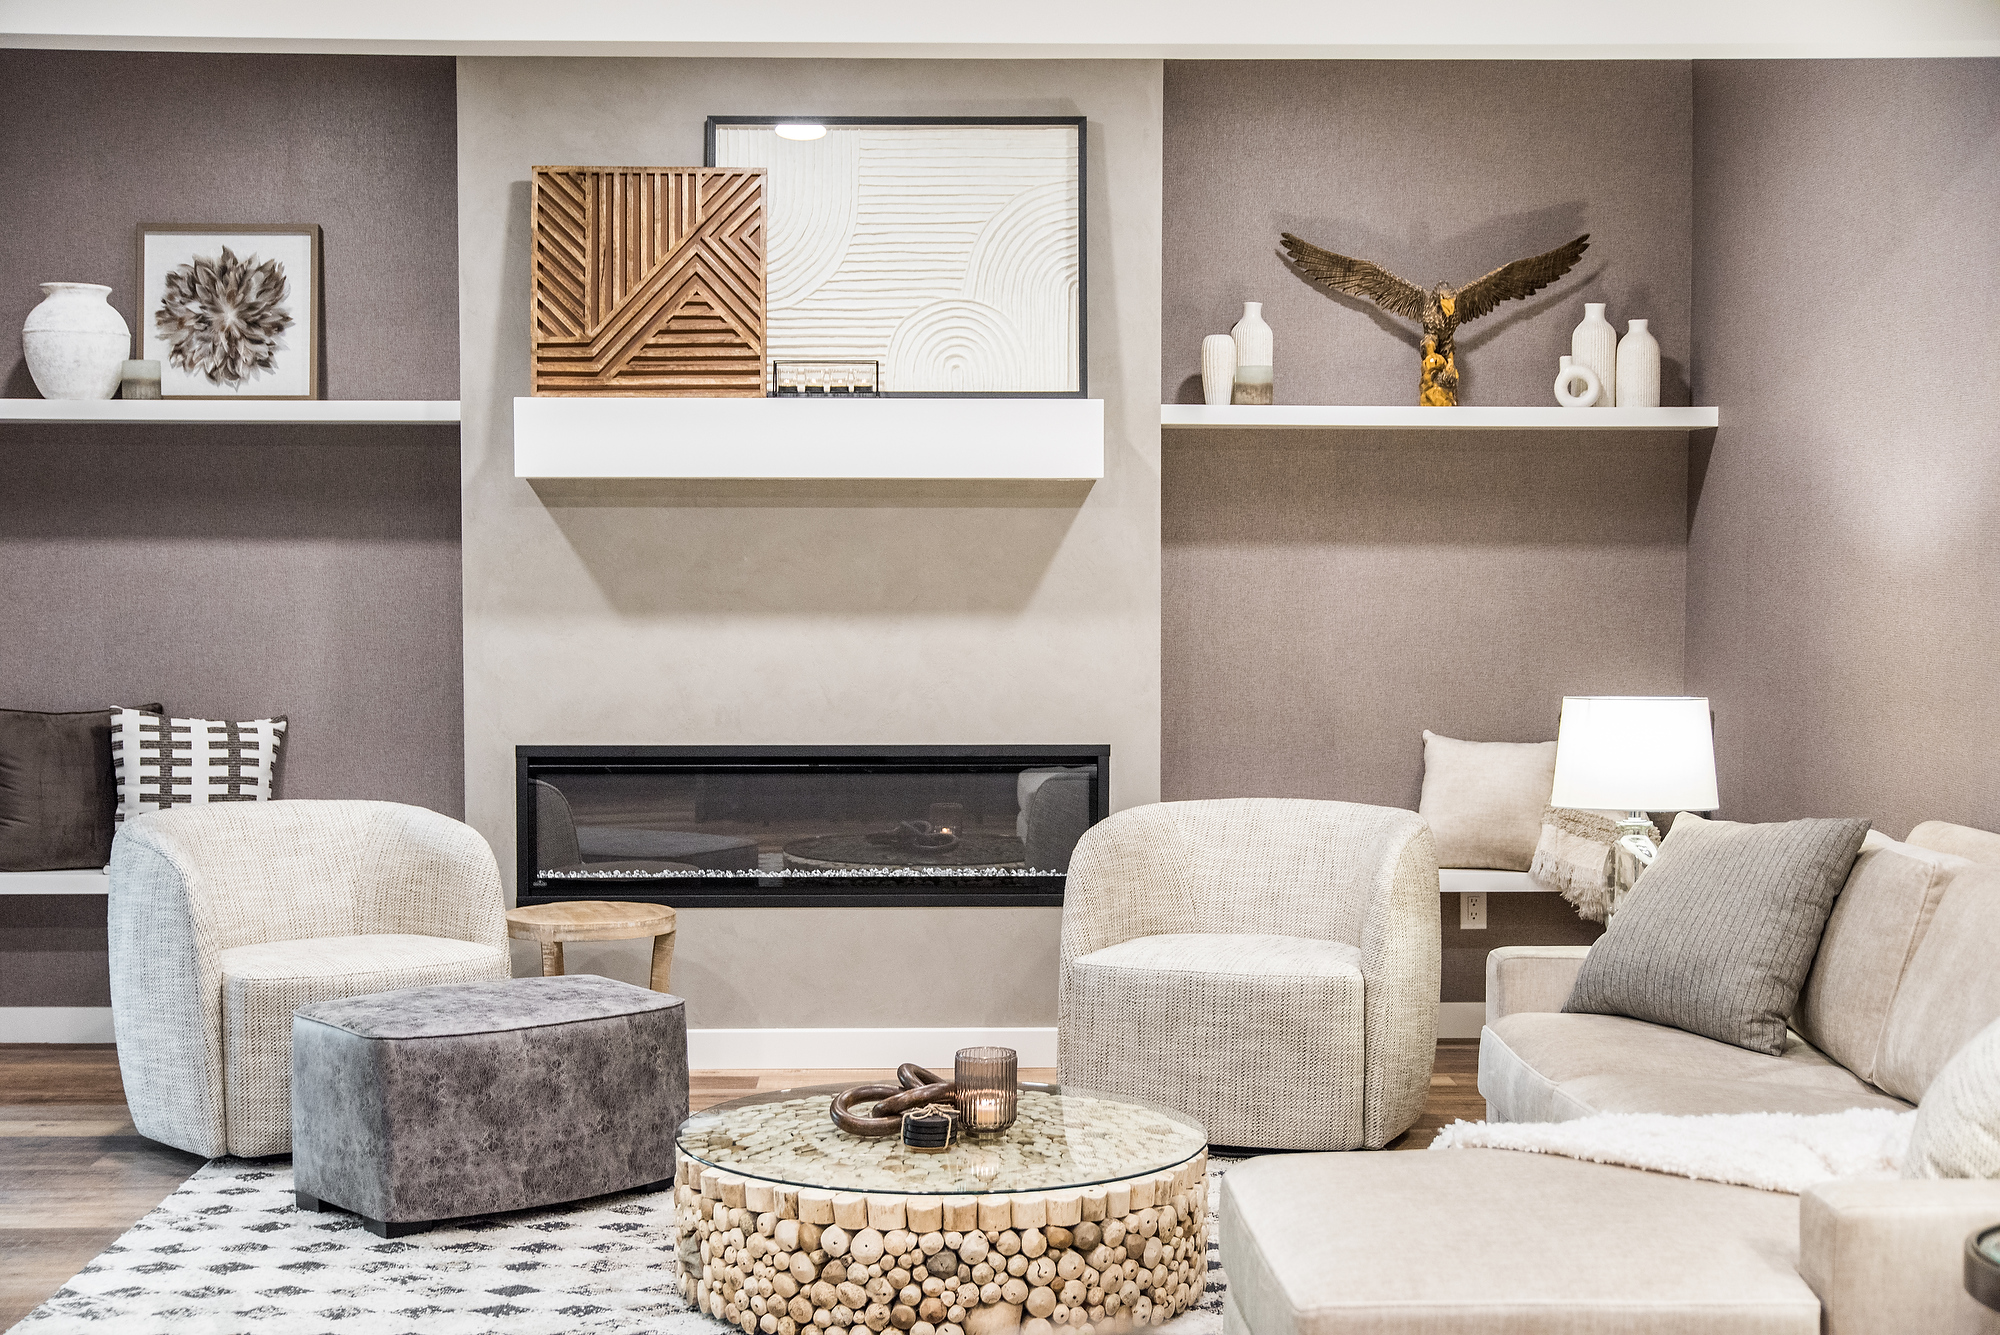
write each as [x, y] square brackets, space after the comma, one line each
[74, 1174]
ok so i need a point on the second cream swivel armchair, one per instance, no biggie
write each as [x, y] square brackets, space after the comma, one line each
[1267, 965]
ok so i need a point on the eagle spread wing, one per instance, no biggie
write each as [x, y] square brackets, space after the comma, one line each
[1522, 278]
[1360, 278]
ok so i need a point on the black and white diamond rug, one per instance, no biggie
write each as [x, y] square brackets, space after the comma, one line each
[229, 1254]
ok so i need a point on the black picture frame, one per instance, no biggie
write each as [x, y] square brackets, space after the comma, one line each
[1080, 124]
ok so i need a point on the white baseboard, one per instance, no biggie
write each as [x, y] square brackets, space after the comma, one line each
[1461, 1019]
[827, 1049]
[795, 1049]
[735, 1049]
[55, 1024]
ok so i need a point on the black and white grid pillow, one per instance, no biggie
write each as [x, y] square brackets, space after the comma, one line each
[162, 763]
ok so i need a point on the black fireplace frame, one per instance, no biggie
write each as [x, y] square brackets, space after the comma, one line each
[531, 762]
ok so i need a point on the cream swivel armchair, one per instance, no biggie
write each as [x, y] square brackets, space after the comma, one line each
[1269, 966]
[226, 918]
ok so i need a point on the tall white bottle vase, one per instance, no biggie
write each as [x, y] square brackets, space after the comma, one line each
[75, 344]
[1595, 344]
[1218, 369]
[1638, 367]
[1253, 356]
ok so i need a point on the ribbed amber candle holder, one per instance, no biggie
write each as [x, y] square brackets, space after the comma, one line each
[988, 1089]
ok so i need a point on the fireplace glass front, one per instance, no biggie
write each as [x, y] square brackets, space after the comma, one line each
[804, 826]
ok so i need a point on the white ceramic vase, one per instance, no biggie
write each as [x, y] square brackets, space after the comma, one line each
[1638, 367]
[75, 343]
[1218, 369]
[1576, 384]
[1253, 356]
[1595, 344]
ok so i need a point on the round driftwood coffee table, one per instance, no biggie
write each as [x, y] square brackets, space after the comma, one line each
[593, 920]
[1089, 1213]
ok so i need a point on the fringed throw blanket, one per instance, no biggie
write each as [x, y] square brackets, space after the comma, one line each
[1785, 1152]
[1573, 858]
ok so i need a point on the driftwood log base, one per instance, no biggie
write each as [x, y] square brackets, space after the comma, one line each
[1082, 1260]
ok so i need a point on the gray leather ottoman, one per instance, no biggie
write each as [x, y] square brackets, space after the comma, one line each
[434, 1103]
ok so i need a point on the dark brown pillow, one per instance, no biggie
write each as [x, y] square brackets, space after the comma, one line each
[56, 789]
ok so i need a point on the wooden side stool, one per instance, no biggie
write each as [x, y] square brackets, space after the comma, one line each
[593, 920]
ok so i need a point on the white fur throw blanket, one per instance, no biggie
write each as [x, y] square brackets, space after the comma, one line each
[1785, 1152]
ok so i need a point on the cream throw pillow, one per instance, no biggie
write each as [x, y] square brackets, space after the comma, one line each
[1957, 1133]
[1484, 800]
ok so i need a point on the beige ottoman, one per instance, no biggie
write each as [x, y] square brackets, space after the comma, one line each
[1502, 1243]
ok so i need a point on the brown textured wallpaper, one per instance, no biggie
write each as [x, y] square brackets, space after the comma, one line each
[1844, 549]
[1326, 596]
[1436, 170]
[239, 571]
[98, 142]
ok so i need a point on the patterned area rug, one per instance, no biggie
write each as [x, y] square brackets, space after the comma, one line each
[229, 1253]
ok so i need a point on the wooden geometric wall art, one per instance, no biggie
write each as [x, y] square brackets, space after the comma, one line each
[648, 281]
[950, 250]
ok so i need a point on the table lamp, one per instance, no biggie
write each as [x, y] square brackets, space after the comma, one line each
[1635, 753]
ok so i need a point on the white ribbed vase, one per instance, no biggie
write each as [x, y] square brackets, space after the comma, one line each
[1253, 356]
[1638, 367]
[76, 345]
[1218, 369]
[1595, 344]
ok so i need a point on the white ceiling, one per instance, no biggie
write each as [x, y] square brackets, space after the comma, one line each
[1434, 29]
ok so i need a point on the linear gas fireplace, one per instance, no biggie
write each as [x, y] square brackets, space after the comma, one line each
[804, 826]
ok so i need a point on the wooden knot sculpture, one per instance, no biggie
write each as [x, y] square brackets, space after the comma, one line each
[914, 1088]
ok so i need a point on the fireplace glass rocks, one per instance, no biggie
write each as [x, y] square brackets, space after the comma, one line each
[805, 826]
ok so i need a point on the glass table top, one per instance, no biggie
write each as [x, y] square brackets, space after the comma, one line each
[1061, 1138]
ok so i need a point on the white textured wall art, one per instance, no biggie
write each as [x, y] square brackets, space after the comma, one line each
[946, 252]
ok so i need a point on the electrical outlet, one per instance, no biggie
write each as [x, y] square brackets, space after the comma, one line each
[1472, 912]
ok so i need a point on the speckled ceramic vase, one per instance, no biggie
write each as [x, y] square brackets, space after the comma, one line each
[75, 343]
[1595, 344]
[1638, 367]
[1253, 356]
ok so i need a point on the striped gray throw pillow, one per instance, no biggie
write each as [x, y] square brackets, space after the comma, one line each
[1717, 936]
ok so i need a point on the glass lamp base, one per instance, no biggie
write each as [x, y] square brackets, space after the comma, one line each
[1631, 855]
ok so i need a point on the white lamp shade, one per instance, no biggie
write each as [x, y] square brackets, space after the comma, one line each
[1635, 753]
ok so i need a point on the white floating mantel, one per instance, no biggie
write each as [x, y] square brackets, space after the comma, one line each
[224, 411]
[1017, 439]
[1341, 417]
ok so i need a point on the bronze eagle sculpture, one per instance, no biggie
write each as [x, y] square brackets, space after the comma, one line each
[1442, 309]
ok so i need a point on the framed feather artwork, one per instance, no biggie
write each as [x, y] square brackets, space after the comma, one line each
[950, 250]
[231, 312]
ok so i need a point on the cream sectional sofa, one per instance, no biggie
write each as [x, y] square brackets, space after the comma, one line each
[1491, 1241]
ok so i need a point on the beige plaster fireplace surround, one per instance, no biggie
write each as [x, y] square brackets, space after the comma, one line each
[693, 613]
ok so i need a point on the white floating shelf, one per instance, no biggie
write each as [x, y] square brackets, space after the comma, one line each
[1016, 439]
[221, 411]
[1479, 881]
[1346, 418]
[83, 881]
